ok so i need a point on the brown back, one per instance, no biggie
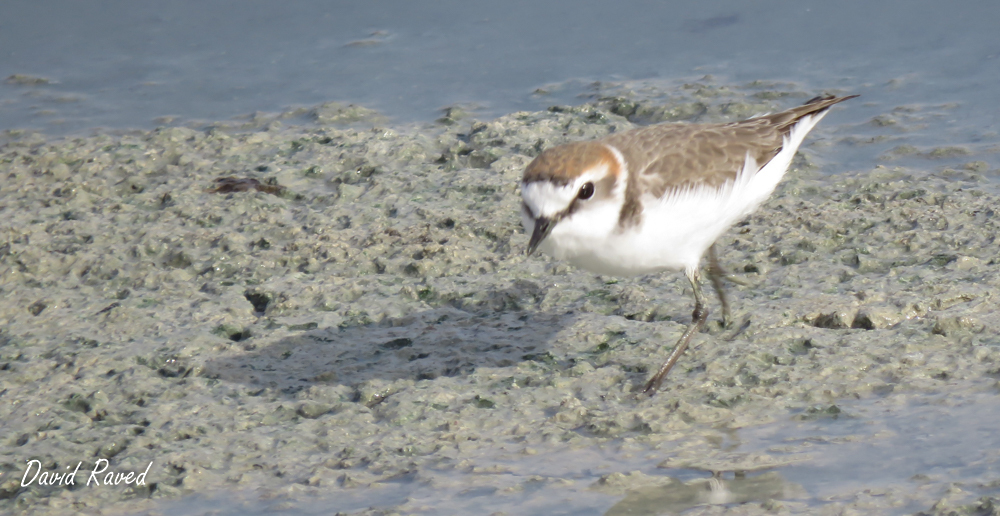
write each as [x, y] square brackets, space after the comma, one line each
[673, 156]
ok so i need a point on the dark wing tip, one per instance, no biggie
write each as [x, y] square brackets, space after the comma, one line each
[827, 98]
[786, 119]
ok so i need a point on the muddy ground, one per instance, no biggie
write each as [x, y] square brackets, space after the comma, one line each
[355, 307]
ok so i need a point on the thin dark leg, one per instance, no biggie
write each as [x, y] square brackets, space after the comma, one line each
[715, 273]
[698, 317]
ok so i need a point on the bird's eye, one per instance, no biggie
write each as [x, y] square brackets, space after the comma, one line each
[586, 191]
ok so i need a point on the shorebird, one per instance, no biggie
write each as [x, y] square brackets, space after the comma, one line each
[657, 198]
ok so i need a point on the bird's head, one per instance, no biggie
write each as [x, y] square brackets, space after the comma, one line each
[565, 183]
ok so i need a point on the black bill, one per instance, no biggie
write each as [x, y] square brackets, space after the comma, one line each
[543, 226]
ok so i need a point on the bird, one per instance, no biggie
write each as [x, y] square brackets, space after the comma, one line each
[657, 198]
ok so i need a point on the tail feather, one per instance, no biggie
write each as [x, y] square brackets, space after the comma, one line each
[786, 119]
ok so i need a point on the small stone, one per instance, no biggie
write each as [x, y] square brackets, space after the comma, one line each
[952, 326]
[876, 318]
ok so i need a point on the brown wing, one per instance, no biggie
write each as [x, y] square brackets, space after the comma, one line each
[679, 156]
[672, 156]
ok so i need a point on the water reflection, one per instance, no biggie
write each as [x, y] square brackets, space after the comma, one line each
[898, 455]
[675, 496]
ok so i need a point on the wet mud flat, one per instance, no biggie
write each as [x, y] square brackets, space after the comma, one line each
[298, 311]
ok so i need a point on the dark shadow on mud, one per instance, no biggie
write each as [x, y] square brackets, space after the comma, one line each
[442, 342]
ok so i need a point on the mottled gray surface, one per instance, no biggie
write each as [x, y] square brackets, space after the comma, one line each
[377, 322]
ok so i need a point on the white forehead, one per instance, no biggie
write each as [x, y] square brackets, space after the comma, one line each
[546, 199]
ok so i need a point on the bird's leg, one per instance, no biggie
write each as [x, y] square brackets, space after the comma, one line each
[715, 273]
[698, 317]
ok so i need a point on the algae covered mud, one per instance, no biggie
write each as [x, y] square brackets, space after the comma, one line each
[339, 317]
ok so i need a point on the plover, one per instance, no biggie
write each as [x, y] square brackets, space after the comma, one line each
[656, 198]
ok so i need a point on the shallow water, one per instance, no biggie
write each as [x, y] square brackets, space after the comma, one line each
[924, 442]
[124, 64]
[905, 449]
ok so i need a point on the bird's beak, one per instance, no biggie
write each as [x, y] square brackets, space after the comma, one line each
[543, 226]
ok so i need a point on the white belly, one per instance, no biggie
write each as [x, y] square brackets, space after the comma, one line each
[671, 237]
